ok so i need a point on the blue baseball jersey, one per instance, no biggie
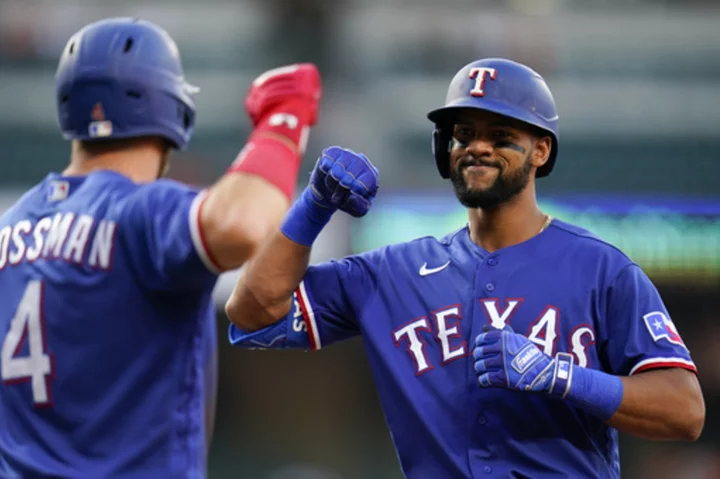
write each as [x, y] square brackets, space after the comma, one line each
[106, 330]
[419, 307]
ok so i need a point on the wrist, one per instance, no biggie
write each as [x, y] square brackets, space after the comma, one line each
[306, 219]
[290, 120]
[593, 391]
[273, 160]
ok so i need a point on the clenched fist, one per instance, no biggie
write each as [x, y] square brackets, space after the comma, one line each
[285, 101]
[344, 180]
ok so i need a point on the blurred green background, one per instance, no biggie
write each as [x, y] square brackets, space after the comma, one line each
[637, 84]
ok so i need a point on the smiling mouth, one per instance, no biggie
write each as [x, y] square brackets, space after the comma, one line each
[474, 163]
[478, 167]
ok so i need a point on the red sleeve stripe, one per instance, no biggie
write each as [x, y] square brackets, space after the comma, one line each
[196, 233]
[308, 317]
[656, 363]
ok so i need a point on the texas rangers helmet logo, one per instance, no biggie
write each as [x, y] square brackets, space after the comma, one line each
[99, 127]
[660, 326]
[480, 74]
[97, 113]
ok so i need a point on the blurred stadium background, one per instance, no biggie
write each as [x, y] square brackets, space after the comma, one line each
[638, 89]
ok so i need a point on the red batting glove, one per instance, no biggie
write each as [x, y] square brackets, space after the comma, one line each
[283, 104]
[285, 101]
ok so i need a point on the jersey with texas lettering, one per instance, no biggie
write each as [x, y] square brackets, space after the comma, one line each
[106, 330]
[419, 307]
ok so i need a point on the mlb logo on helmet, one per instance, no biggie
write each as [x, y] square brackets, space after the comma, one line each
[99, 128]
[660, 326]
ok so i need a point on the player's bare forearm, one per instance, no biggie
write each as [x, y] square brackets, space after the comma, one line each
[662, 404]
[249, 202]
[342, 180]
[263, 294]
[237, 216]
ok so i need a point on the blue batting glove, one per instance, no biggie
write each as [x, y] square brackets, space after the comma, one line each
[509, 360]
[341, 180]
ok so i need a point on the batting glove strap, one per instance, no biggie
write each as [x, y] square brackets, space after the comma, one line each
[595, 392]
[562, 375]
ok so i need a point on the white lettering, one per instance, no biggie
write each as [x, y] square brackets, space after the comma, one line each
[22, 227]
[497, 319]
[78, 239]
[479, 74]
[578, 347]
[416, 346]
[57, 234]
[544, 331]
[4, 243]
[102, 245]
[41, 228]
[445, 333]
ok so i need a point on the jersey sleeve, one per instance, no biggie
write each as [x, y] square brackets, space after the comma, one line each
[161, 229]
[325, 308]
[641, 334]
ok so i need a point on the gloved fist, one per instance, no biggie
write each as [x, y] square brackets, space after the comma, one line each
[509, 360]
[344, 180]
[285, 102]
[297, 85]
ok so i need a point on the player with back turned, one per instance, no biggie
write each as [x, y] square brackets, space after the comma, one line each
[516, 346]
[107, 331]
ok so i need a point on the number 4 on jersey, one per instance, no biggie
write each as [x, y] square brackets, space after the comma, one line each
[37, 365]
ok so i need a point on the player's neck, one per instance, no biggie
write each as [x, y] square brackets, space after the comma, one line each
[508, 224]
[141, 161]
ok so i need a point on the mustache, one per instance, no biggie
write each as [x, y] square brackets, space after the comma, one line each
[467, 161]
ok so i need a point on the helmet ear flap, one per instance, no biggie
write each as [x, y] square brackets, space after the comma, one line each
[441, 150]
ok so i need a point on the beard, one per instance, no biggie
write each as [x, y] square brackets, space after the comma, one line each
[502, 190]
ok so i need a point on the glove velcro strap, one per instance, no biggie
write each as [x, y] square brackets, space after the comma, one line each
[562, 375]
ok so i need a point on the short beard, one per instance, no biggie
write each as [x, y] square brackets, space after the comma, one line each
[504, 188]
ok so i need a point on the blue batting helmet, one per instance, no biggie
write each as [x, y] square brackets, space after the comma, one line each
[122, 78]
[499, 86]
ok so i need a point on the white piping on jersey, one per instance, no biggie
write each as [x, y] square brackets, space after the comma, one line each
[310, 318]
[646, 362]
[195, 234]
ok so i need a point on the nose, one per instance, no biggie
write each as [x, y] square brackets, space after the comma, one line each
[480, 146]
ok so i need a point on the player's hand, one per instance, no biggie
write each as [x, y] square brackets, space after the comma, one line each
[294, 91]
[343, 180]
[509, 360]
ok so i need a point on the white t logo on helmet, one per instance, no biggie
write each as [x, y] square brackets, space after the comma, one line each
[479, 74]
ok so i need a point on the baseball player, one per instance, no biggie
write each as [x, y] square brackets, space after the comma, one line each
[516, 346]
[107, 334]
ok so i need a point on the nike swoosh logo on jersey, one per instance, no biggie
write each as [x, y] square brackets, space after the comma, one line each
[424, 270]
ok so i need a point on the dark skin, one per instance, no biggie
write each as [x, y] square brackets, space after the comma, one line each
[661, 404]
[492, 163]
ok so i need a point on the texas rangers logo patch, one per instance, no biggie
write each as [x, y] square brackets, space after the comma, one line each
[660, 326]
